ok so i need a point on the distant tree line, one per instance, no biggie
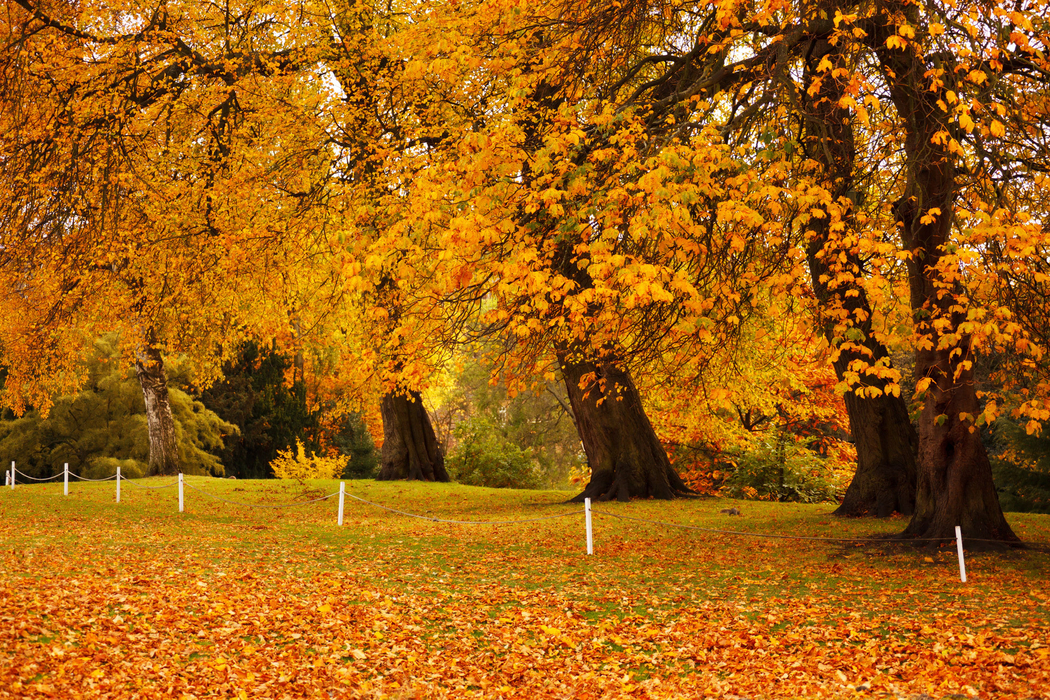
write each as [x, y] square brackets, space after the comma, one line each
[233, 428]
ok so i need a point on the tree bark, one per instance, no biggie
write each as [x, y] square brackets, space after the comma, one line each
[885, 479]
[410, 447]
[955, 484]
[163, 448]
[625, 456]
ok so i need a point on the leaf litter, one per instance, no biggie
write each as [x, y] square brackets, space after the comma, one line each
[231, 603]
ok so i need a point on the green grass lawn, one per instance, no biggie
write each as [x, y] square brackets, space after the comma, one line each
[135, 599]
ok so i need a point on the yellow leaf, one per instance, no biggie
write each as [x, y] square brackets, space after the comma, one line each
[930, 216]
[966, 122]
[326, 608]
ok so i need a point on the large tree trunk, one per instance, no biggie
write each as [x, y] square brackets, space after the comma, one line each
[885, 479]
[955, 484]
[163, 449]
[625, 457]
[410, 447]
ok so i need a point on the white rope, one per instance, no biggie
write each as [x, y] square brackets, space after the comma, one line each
[866, 540]
[149, 488]
[261, 505]
[84, 478]
[33, 478]
[466, 522]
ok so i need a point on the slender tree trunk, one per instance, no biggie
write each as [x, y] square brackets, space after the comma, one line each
[163, 449]
[885, 479]
[623, 452]
[410, 447]
[955, 484]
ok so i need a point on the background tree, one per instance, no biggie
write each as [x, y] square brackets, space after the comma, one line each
[487, 427]
[1021, 465]
[104, 425]
[269, 414]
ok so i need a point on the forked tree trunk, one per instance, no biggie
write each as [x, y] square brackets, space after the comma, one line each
[884, 482]
[625, 457]
[160, 424]
[955, 484]
[410, 447]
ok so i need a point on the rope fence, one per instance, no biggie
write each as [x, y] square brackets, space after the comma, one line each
[587, 511]
[11, 476]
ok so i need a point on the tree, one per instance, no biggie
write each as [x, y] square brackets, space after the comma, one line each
[886, 443]
[934, 176]
[385, 118]
[955, 480]
[104, 425]
[141, 189]
[598, 228]
[270, 415]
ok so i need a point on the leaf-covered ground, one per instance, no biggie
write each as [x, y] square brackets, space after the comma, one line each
[106, 600]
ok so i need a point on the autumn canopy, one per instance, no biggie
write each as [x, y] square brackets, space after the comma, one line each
[682, 210]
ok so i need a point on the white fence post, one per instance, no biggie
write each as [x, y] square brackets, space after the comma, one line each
[65, 479]
[590, 534]
[962, 560]
[118, 484]
[180, 492]
[12, 475]
[342, 493]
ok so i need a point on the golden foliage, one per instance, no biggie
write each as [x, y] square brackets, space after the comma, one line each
[298, 464]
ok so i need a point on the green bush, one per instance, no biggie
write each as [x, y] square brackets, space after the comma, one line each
[105, 467]
[1021, 468]
[351, 438]
[536, 419]
[779, 469]
[483, 458]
